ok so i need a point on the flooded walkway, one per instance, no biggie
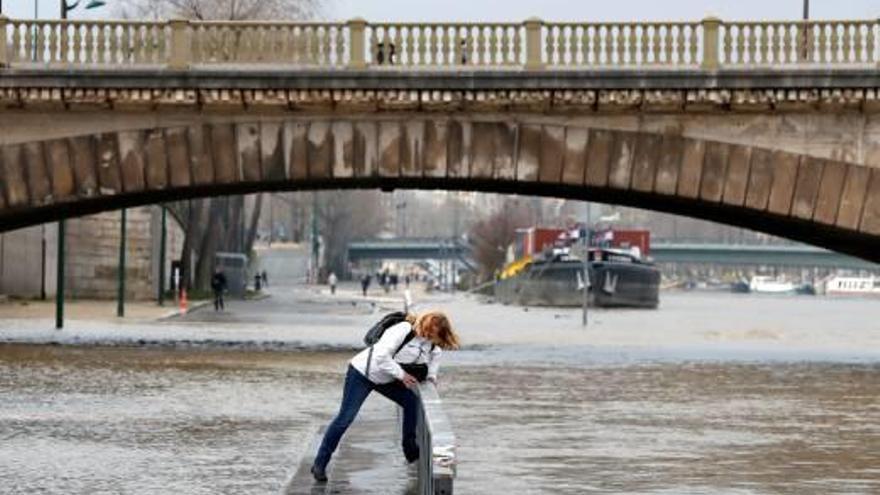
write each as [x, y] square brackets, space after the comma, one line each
[368, 461]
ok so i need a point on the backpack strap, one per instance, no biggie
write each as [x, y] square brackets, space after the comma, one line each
[411, 335]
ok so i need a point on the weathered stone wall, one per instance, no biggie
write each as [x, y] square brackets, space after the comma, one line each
[92, 254]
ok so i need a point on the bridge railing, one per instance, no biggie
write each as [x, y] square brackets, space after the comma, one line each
[533, 44]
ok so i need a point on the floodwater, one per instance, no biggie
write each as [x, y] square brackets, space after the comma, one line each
[530, 418]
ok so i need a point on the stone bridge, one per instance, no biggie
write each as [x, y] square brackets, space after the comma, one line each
[770, 126]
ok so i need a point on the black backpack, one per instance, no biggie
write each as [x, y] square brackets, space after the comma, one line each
[378, 330]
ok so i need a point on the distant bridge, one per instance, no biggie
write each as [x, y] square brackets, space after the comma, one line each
[723, 254]
[407, 249]
[753, 254]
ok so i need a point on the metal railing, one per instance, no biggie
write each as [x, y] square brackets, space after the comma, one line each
[434, 434]
[356, 44]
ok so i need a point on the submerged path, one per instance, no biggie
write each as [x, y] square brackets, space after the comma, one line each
[368, 461]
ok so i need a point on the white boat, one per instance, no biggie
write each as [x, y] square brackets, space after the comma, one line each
[853, 285]
[770, 285]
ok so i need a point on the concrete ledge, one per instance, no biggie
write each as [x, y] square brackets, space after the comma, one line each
[291, 77]
[437, 473]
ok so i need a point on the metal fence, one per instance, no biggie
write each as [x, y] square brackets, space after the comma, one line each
[357, 44]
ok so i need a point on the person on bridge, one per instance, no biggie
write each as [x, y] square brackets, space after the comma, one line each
[417, 342]
[218, 285]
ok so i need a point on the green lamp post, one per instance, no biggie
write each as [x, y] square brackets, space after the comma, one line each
[67, 7]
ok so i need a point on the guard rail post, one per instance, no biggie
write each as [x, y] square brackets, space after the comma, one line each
[179, 57]
[711, 28]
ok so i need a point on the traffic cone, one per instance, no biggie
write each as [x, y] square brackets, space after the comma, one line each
[183, 303]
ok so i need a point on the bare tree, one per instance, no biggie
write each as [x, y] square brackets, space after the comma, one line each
[344, 216]
[231, 10]
[491, 236]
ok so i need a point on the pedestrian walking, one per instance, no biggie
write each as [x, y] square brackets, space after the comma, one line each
[406, 281]
[407, 352]
[218, 285]
[265, 277]
[365, 283]
[331, 279]
[258, 282]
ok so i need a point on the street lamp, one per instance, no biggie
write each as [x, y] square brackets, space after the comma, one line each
[66, 7]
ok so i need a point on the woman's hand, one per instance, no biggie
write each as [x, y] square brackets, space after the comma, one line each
[409, 380]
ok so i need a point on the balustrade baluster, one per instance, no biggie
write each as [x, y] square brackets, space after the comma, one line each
[837, 36]
[597, 45]
[763, 54]
[100, 44]
[63, 44]
[422, 45]
[550, 48]
[645, 45]
[112, 45]
[586, 37]
[752, 45]
[433, 46]
[822, 43]
[147, 45]
[397, 48]
[609, 45]
[680, 46]
[446, 47]
[53, 42]
[775, 45]
[314, 44]
[89, 44]
[870, 39]
[667, 45]
[858, 40]
[505, 45]
[41, 43]
[481, 46]
[517, 46]
[493, 46]
[728, 57]
[620, 45]
[340, 48]
[29, 42]
[632, 42]
[573, 45]
[409, 45]
[656, 42]
[694, 45]
[847, 42]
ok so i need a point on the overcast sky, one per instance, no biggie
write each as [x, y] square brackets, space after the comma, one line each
[516, 10]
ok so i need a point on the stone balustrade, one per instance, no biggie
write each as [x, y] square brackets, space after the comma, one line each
[357, 44]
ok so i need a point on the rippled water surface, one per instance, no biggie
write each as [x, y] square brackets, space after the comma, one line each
[88, 420]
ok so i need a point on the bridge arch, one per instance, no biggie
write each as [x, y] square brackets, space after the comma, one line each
[829, 203]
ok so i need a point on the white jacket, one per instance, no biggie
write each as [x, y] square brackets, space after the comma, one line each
[384, 367]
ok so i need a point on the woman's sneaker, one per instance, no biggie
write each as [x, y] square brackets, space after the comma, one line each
[319, 474]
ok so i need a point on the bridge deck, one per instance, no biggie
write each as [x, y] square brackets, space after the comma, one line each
[368, 461]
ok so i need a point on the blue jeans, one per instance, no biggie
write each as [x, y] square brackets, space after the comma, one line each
[357, 388]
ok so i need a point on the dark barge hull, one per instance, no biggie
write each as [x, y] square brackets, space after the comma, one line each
[558, 283]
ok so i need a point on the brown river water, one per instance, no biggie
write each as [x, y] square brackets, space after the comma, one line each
[529, 419]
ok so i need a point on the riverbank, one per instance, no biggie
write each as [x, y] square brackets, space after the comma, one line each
[687, 326]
